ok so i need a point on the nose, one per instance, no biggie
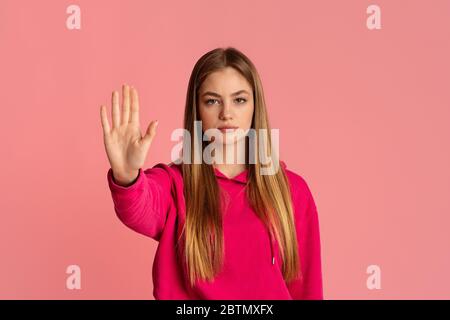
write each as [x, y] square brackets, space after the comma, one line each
[225, 113]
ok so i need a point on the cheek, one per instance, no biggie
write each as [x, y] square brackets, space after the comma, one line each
[248, 116]
[207, 117]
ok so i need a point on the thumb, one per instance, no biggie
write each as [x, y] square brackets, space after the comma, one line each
[150, 133]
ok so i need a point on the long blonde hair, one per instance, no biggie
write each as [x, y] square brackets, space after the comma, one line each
[269, 195]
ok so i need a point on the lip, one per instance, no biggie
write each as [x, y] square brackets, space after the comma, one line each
[227, 127]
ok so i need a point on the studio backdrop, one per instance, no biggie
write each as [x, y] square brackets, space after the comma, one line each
[359, 91]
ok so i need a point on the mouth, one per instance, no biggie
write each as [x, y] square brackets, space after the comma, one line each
[227, 128]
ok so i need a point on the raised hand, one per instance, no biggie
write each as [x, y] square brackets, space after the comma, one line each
[125, 147]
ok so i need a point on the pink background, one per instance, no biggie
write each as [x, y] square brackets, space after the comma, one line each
[364, 117]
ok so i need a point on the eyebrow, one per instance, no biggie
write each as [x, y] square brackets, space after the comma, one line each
[210, 93]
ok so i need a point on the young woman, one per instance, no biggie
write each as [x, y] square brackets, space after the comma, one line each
[225, 230]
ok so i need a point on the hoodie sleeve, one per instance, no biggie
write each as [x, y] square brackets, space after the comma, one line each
[143, 206]
[307, 224]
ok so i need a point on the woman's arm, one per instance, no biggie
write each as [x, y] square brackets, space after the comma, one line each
[143, 205]
[308, 234]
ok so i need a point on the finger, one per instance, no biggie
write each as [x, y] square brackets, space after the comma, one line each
[126, 104]
[134, 106]
[104, 118]
[150, 134]
[115, 109]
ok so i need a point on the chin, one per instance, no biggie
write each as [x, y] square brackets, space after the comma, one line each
[232, 140]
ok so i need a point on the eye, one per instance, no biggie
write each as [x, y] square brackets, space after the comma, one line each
[243, 100]
[207, 101]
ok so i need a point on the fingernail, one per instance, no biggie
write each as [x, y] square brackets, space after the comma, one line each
[156, 124]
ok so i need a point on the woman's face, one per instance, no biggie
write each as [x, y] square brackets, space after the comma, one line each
[225, 99]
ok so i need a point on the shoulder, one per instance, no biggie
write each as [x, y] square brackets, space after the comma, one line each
[166, 173]
[300, 189]
[296, 180]
[165, 168]
[176, 168]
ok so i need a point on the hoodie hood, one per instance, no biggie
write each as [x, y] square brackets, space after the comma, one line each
[242, 178]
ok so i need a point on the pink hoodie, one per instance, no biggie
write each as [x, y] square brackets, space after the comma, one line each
[154, 206]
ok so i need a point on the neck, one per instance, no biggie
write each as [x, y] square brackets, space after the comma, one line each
[229, 161]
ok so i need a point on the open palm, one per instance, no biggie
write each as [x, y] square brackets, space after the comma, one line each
[125, 147]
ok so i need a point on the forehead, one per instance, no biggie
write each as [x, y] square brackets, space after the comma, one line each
[225, 81]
